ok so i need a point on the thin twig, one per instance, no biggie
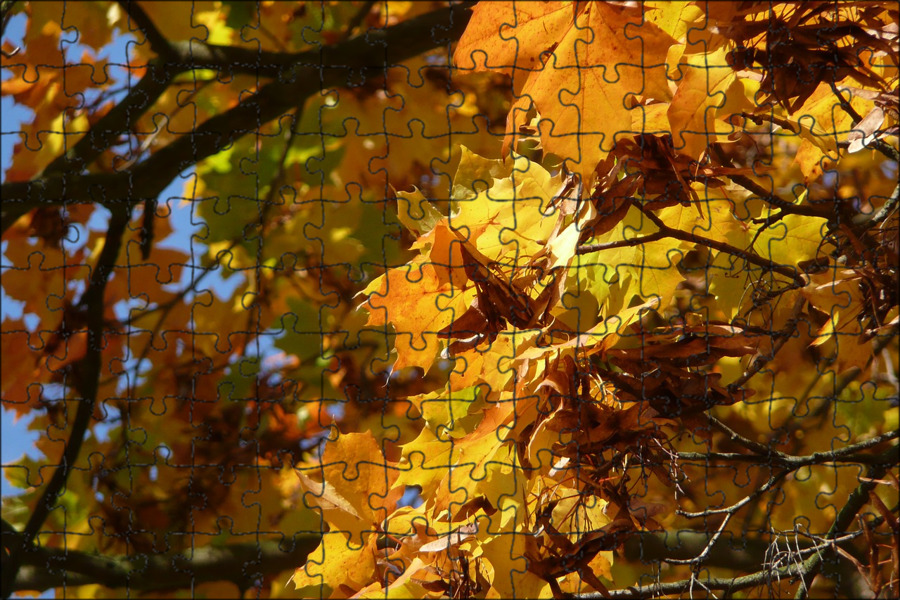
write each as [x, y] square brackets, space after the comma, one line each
[668, 232]
[780, 337]
[87, 378]
[646, 239]
[301, 79]
[735, 437]
[118, 121]
[888, 207]
[858, 498]
[805, 570]
[769, 196]
[723, 247]
[848, 454]
[730, 510]
[267, 203]
[879, 145]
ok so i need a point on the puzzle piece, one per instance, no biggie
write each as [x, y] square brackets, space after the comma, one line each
[521, 300]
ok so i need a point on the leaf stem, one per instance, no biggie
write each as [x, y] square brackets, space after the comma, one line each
[668, 232]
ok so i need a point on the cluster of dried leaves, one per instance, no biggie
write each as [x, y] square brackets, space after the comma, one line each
[594, 301]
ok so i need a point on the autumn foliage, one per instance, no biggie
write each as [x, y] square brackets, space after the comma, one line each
[472, 300]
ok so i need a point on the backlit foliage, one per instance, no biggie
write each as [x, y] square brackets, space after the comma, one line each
[484, 322]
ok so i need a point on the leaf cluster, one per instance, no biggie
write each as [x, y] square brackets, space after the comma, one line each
[643, 289]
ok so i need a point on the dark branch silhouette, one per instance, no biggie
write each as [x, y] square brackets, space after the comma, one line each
[302, 75]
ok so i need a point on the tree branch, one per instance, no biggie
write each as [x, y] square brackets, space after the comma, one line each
[645, 239]
[730, 551]
[141, 97]
[889, 206]
[805, 570]
[840, 383]
[779, 339]
[87, 378]
[668, 232]
[333, 66]
[855, 502]
[769, 196]
[847, 454]
[110, 126]
[712, 584]
[726, 248]
[880, 145]
[242, 564]
[157, 40]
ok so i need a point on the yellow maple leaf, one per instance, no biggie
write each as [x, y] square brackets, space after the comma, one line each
[352, 484]
[337, 562]
[702, 90]
[586, 64]
[421, 298]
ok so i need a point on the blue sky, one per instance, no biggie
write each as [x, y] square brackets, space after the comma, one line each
[17, 439]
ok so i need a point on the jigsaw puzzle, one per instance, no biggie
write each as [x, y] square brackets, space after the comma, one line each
[450, 299]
